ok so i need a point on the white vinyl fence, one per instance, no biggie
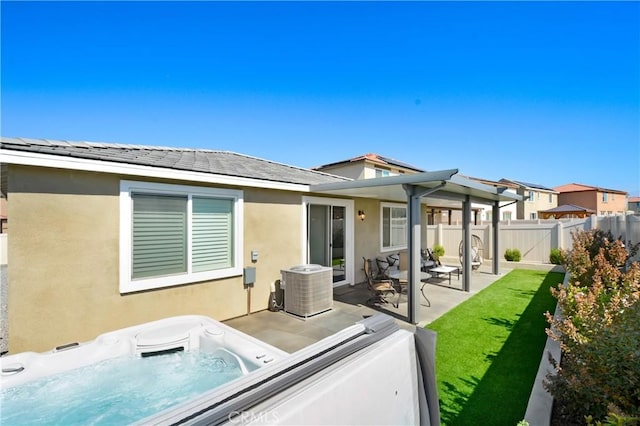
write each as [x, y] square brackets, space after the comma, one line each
[534, 238]
[3, 249]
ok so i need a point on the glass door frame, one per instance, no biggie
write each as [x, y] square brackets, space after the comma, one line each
[349, 243]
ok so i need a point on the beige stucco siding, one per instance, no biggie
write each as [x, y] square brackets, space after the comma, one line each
[64, 260]
[587, 199]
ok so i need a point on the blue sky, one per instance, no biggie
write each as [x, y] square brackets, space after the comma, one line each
[542, 92]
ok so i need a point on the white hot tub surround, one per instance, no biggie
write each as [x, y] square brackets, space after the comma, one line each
[182, 333]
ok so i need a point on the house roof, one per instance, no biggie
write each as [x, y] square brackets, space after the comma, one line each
[216, 166]
[634, 199]
[373, 158]
[528, 185]
[569, 208]
[578, 187]
[206, 161]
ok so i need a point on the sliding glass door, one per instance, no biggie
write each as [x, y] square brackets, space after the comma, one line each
[327, 227]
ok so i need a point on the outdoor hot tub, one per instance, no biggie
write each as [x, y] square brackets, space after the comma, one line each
[126, 375]
[192, 370]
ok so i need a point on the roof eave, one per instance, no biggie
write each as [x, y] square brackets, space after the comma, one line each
[27, 158]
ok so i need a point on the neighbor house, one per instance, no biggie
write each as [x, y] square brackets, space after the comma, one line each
[603, 201]
[508, 209]
[104, 236]
[535, 198]
[633, 204]
[368, 166]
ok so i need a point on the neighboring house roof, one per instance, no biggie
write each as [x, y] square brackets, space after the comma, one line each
[566, 210]
[578, 187]
[634, 199]
[528, 185]
[374, 158]
[185, 159]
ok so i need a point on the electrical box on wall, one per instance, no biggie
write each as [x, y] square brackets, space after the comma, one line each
[249, 276]
[254, 256]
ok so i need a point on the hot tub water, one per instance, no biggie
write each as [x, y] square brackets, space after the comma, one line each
[120, 390]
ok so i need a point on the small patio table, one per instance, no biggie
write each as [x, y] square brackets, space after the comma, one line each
[446, 270]
[401, 278]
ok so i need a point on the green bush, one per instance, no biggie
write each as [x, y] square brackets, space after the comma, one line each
[555, 256]
[438, 251]
[599, 334]
[512, 255]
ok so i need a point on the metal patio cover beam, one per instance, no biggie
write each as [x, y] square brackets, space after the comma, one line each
[390, 188]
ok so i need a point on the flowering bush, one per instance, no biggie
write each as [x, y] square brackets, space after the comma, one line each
[599, 333]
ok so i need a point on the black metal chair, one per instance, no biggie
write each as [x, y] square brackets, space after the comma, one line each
[380, 289]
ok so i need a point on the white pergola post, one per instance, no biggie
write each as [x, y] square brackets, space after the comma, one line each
[466, 243]
[414, 237]
[495, 221]
[413, 249]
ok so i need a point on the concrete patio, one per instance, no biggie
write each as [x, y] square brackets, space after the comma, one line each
[291, 333]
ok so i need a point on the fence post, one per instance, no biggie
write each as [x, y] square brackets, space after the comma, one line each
[594, 222]
[439, 239]
[559, 235]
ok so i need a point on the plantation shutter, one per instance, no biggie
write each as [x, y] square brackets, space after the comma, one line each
[398, 226]
[386, 227]
[212, 234]
[159, 235]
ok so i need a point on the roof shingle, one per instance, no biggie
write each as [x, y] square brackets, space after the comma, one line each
[197, 160]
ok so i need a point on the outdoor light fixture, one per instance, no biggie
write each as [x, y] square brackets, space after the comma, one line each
[361, 215]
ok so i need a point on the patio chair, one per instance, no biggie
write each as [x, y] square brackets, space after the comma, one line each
[394, 260]
[429, 261]
[383, 268]
[380, 289]
[477, 252]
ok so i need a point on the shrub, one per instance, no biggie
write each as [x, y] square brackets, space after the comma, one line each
[438, 251]
[555, 256]
[599, 333]
[512, 255]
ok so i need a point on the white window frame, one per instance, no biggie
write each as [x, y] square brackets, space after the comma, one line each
[384, 249]
[128, 188]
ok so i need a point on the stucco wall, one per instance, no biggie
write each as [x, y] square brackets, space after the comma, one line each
[585, 199]
[63, 260]
[367, 235]
[616, 203]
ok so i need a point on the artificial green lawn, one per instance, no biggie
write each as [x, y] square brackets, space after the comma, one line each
[489, 347]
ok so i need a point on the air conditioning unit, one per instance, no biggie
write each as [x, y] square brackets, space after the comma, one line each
[308, 289]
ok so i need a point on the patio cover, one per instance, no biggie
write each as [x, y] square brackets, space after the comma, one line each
[566, 210]
[443, 189]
